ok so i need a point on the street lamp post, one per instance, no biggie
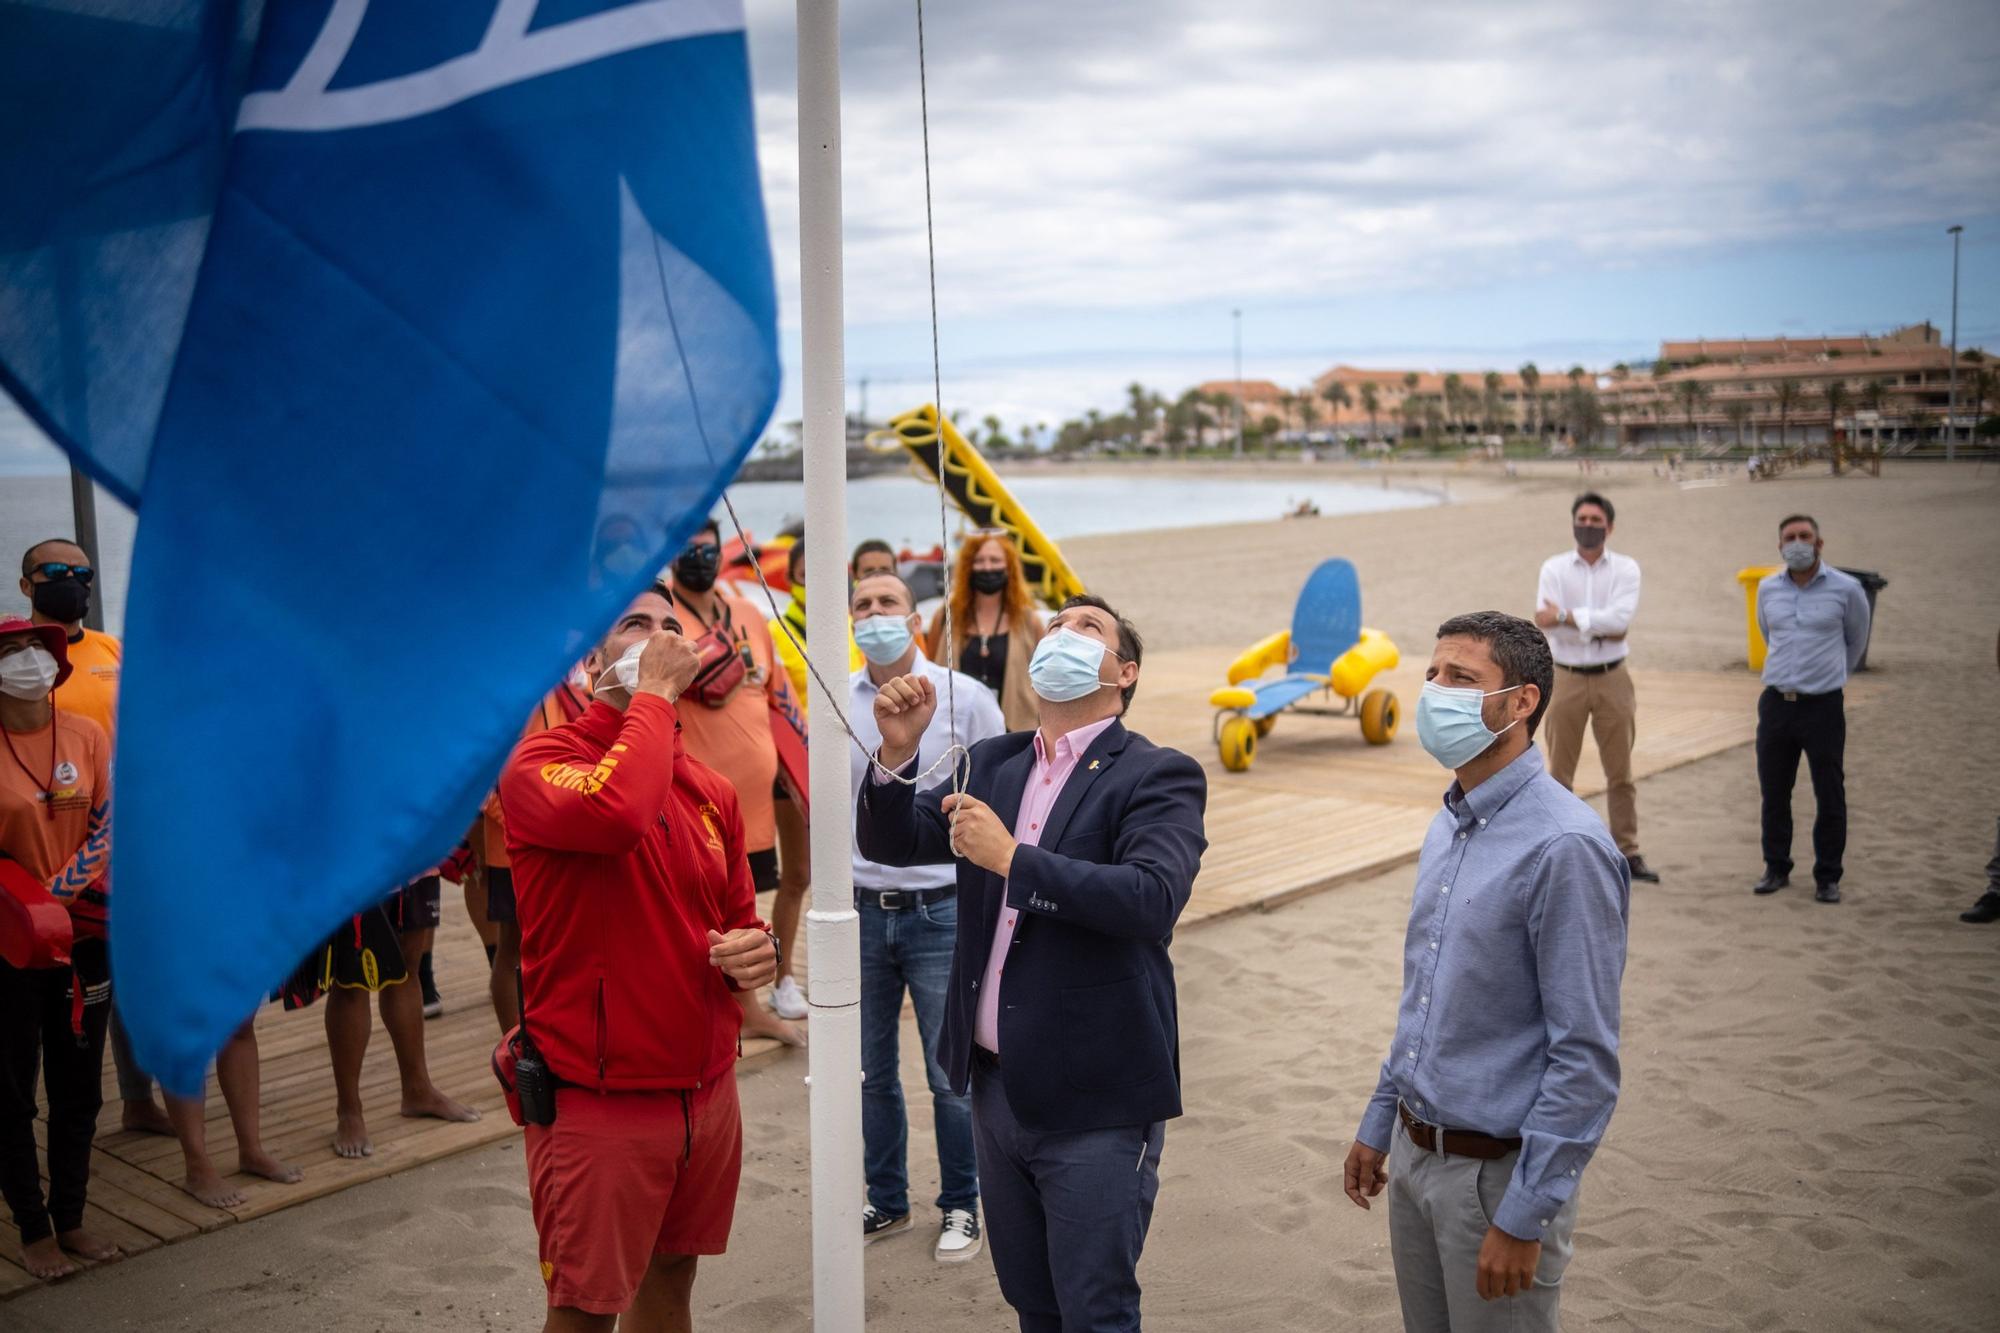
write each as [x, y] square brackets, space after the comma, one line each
[1237, 315]
[1951, 412]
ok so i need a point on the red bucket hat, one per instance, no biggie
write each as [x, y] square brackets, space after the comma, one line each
[53, 637]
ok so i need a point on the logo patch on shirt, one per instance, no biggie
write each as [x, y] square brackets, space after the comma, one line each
[548, 1271]
[711, 819]
[66, 774]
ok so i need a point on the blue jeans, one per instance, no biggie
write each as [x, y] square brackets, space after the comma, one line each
[909, 948]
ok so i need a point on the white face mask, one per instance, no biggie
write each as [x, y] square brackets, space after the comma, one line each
[622, 674]
[28, 675]
[1799, 556]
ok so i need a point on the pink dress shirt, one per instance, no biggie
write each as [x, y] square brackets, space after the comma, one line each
[1045, 785]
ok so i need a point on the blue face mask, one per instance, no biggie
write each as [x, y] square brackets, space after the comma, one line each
[882, 639]
[1065, 666]
[1451, 726]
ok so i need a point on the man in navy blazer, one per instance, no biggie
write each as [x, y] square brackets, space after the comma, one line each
[1077, 845]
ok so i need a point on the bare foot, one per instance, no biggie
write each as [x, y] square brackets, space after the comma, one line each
[45, 1259]
[350, 1136]
[207, 1185]
[430, 1102]
[91, 1246]
[763, 1024]
[145, 1118]
[260, 1163]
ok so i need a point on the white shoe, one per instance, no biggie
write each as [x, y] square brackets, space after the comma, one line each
[788, 1001]
[958, 1239]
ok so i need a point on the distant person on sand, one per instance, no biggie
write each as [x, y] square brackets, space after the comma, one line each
[55, 833]
[909, 927]
[1076, 846]
[638, 926]
[1584, 601]
[1504, 1069]
[994, 623]
[726, 723]
[1987, 909]
[1814, 619]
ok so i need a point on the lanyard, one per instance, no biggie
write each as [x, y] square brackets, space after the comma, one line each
[49, 788]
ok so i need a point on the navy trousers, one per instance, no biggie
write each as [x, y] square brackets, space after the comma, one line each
[1066, 1214]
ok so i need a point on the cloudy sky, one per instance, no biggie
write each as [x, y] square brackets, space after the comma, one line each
[1434, 184]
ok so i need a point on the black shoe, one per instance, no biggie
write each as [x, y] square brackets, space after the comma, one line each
[1986, 909]
[1640, 870]
[1827, 892]
[876, 1224]
[433, 1003]
[1773, 881]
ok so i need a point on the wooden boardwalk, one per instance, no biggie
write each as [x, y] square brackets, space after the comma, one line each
[1318, 808]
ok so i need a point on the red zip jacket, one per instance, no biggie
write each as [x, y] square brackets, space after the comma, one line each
[626, 854]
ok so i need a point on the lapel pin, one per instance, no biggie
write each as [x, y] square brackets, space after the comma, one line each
[1093, 765]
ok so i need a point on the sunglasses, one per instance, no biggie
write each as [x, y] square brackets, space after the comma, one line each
[55, 569]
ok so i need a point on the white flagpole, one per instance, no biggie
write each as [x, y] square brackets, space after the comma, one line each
[833, 929]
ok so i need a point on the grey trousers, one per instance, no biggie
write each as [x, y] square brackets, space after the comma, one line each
[1439, 1212]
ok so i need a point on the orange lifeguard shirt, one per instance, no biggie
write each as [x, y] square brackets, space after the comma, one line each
[735, 739]
[55, 811]
[92, 688]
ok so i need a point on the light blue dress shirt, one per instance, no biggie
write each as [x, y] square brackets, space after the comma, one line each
[1816, 634]
[1511, 970]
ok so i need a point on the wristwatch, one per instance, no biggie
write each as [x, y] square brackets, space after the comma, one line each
[777, 952]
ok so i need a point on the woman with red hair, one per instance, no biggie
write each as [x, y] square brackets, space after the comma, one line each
[994, 623]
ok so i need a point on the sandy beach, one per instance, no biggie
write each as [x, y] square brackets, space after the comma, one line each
[1804, 1140]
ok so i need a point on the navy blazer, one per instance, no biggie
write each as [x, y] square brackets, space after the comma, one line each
[1089, 1025]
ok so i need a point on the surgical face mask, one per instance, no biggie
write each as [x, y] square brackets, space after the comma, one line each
[28, 675]
[1799, 556]
[989, 580]
[883, 639]
[1065, 666]
[1451, 723]
[624, 673]
[64, 601]
[1589, 537]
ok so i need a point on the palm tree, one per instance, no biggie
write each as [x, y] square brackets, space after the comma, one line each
[1141, 405]
[1838, 400]
[1691, 395]
[1738, 412]
[1790, 395]
[1489, 402]
[1338, 399]
[1531, 387]
[1308, 413]
[1873, 393]
[995, 439]
[1454, 401]
[1371, 403]
[1980, 385]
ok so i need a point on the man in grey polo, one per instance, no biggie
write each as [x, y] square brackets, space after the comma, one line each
[1504, 1070]
[1814, 620]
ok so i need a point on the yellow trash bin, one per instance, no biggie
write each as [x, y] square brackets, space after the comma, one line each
[1750, 577]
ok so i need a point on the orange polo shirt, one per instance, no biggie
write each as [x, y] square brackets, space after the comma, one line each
[55, 810]
[735, 739]
[92, 688]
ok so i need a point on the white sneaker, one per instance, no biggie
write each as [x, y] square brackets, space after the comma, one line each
[788, 1001]
[958, 1239]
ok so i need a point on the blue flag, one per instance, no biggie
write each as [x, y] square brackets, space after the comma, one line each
[420, 335]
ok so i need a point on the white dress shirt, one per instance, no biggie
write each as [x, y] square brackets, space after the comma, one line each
[978, 714]
[1601, 598]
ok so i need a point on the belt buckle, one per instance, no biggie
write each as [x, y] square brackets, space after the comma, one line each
[891, 900]
[1789, 696]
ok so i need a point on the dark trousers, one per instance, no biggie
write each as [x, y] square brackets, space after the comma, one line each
[1814, 725]
[36, 1030]
[1066, 1214]
[1993, 869]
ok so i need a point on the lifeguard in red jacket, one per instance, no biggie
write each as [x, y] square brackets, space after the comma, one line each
[638, 922]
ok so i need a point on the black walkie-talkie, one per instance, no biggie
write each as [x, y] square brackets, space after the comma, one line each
[534, 1085]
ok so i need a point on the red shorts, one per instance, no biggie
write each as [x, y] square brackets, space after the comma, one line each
[623, 1176]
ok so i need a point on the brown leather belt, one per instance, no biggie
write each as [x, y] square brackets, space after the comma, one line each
[1597, 670]
[1457, 1142]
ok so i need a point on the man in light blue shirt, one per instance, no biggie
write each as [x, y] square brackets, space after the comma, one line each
[1814, 619]
[1504, 1069]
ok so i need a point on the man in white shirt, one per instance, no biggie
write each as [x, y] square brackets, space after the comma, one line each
[1585, 602]
[909, 924]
